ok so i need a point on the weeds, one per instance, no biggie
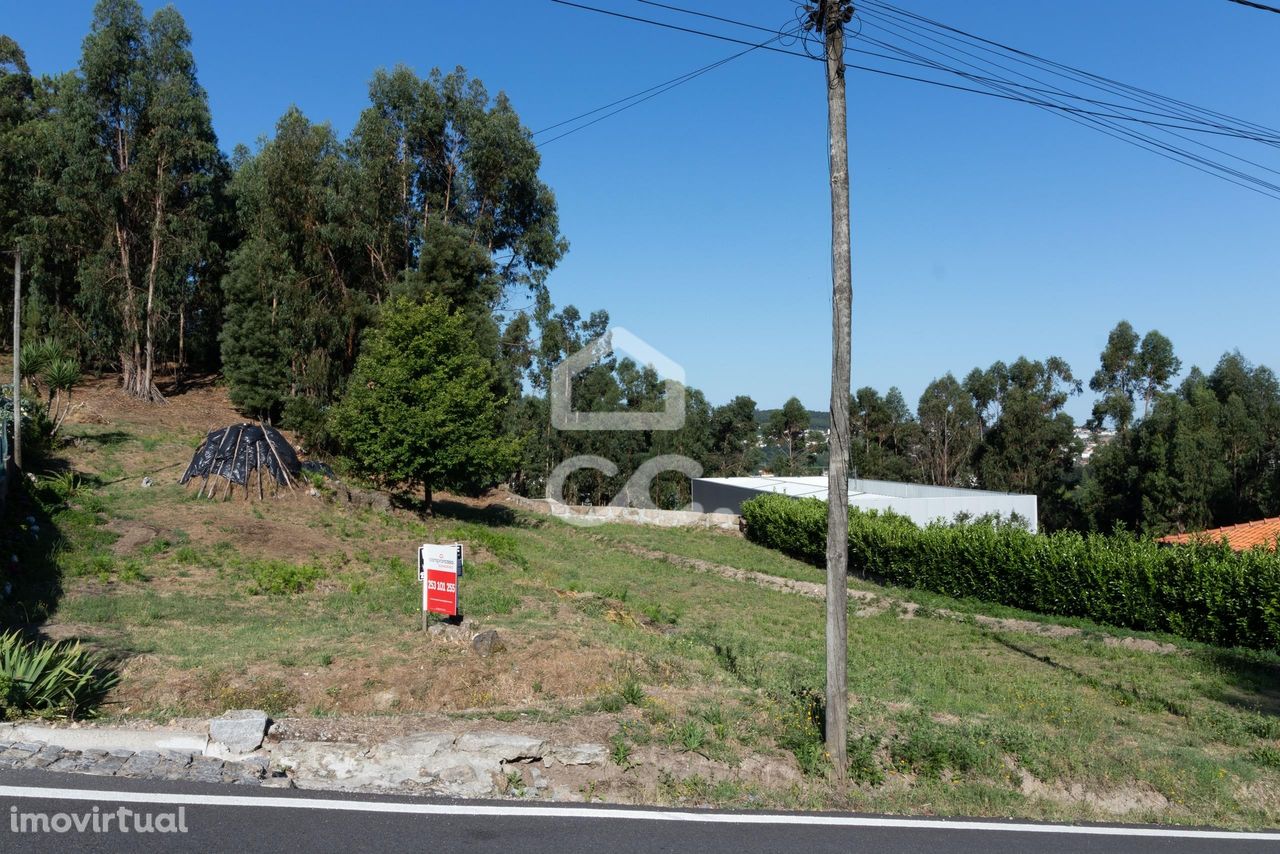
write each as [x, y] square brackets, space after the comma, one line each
[631, 691]
[864, 766]
[803, 729]
[691, 737]
[620, 751]
[277, 578]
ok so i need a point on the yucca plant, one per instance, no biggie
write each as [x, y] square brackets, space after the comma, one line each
[35, 358]
[60, 375]
[51, 680]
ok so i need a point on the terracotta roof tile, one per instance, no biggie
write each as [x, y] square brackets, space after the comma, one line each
[1264, 532]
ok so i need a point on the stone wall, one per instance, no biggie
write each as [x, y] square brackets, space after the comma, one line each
[633, 515]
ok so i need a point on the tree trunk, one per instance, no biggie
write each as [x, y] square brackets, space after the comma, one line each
[129, 364]
[182, 346]
[426, 500]
[147, 389]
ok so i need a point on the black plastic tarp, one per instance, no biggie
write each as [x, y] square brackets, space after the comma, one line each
[241, 450]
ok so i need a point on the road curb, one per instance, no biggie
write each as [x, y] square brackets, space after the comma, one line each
[94, 738]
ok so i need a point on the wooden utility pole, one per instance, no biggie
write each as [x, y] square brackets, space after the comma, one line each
[17, 348]
[828, 18]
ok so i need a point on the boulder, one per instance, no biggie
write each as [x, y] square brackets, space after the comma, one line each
[579, 754]
[500, 746]
[487, 643]
[239, 731]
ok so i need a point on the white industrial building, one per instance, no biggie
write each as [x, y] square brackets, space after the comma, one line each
[922, 504]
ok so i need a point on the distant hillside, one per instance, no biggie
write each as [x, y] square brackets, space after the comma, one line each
[817, 420]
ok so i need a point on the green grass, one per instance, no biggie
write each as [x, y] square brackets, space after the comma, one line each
[945, 714]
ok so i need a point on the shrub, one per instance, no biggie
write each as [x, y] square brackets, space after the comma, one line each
[54, 680]
[1202, 592]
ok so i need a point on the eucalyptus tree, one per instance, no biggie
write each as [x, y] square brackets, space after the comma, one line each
[448, 186]
[734, 439]
[788, 427]
[1031, 448]
[1131, 368]
[948, 431]
[145, 176]
[886, 436]
[17, 104]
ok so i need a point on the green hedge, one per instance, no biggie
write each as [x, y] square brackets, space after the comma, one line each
[1203, 592]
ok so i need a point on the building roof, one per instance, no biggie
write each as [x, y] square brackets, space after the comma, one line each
[810, 486]
[1263, 532]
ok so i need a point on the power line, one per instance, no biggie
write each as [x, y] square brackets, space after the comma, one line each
[678, 28]
[1267, 136]
[651, 92]
[1253, 5]
[1062, 69]
[1133, 137]
[1000, 79]
[1007, 89]
[673, 81]
[705, 15]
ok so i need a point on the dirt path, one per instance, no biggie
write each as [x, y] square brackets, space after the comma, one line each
[875, 603]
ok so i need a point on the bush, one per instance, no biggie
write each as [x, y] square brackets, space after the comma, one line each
[52, 680]
[1202, 592]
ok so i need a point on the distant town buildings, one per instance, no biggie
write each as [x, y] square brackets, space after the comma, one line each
[1092, 439]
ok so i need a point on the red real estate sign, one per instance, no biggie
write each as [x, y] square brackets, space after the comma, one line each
[438, 567]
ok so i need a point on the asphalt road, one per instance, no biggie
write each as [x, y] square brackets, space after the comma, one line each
[245, 820]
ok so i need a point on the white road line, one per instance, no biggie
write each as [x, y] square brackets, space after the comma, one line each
[284, 802]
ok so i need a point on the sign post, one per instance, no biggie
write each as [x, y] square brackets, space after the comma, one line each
[439, 570]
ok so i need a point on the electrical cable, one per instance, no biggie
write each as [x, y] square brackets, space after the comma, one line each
[1006, 81]
[651, 92]
[1004, 88]
[1026, 57]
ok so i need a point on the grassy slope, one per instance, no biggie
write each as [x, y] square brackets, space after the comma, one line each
[948, 716]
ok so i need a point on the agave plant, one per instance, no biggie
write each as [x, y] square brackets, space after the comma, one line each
[51, 680]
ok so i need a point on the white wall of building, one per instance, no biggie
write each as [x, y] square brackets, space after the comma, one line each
[918, 502]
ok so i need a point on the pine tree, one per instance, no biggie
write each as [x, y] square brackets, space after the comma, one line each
[420, 408]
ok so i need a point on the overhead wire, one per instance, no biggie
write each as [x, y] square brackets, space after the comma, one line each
[1129, 135]
[635, 99]
[885, 72]
[1089, 78]
[1263, 6]
[1044, 88]
[1128, 131]
[1133, 136]
[1045, 95]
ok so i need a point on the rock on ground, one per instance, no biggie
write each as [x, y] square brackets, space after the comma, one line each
[239, 731]
[487, 643]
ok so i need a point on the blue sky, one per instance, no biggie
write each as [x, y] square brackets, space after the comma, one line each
[982, 230]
